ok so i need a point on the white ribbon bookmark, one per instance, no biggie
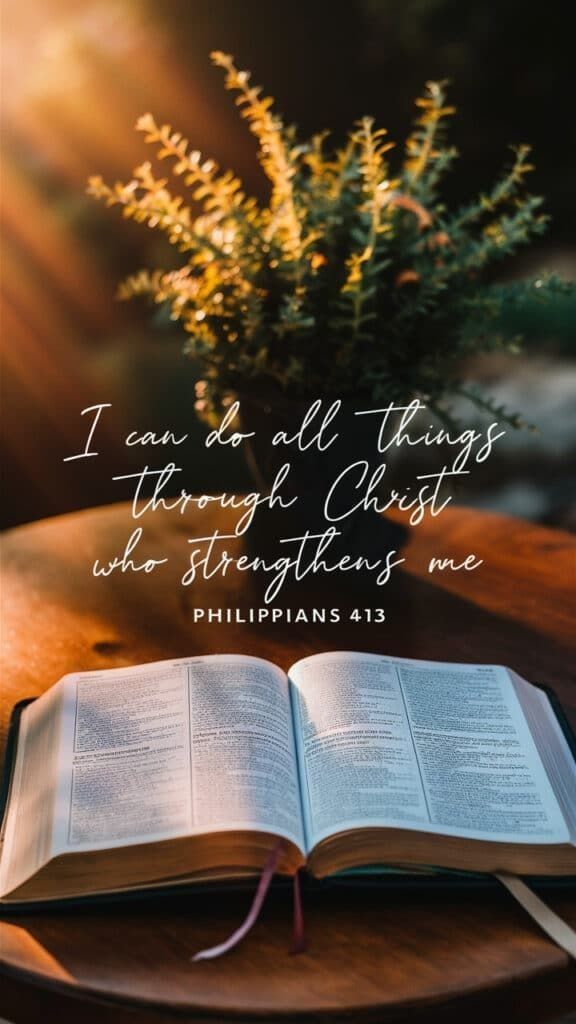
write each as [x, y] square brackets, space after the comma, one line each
[561, 933]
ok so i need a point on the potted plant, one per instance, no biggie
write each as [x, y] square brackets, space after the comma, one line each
[355, 280]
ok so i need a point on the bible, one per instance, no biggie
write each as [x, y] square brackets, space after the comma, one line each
[193, 770]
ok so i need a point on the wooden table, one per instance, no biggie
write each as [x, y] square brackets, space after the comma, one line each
[380, 957]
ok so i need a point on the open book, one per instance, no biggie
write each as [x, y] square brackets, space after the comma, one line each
[191, 770]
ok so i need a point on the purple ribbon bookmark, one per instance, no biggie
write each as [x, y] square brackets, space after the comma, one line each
[298, 936]
[266, 877]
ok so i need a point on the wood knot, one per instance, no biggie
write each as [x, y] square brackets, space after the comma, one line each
[107, 647]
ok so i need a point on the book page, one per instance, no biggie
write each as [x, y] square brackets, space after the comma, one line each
[176, 748]
[27, 825]
[557, 757]
[441, 748]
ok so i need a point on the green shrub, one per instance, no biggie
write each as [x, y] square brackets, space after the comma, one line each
[355, 278]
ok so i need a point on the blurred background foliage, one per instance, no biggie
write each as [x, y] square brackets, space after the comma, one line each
[78, 73]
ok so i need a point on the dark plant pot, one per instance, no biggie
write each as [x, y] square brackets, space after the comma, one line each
[313, 473]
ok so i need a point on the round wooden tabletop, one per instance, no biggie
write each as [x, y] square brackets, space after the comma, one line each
[372, 955]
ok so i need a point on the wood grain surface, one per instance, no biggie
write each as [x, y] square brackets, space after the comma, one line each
[372, 955]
